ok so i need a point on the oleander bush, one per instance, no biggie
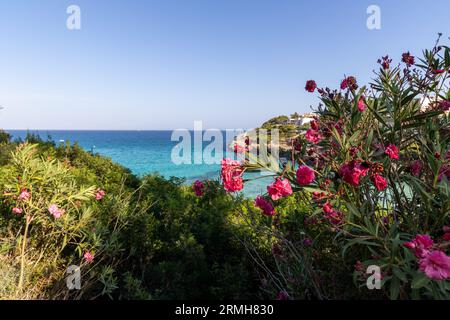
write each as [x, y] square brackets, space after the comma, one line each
[366, 187]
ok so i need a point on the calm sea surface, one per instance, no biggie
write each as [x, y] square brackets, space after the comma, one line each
[143, 152]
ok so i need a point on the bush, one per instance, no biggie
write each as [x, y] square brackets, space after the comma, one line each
[139, 239]
[371, 188]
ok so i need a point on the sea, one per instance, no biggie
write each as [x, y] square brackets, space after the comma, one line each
[147, 152]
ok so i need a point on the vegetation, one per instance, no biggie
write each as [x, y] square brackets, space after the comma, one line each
[367, 188]
[364, 203]
[133, 239]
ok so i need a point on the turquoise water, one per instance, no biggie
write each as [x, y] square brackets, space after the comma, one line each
[144, 152]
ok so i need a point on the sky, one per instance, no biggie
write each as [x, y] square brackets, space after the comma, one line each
[163, 64]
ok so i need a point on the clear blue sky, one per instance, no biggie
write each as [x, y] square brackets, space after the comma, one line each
[163, 64]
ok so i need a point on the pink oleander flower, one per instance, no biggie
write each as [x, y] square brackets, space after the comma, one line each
[351, 172]
[239, 149]
[313, 136]
[436, 265]
[416, 168]
[198, 187]
[265, 206]
[392, 151]
[379, 182]
[231, 174]
[420, 244]
[24, 195]
[310, 86]
[361, 105]
[314, 125]
[17, 211]
[89, 257]
[279, 188]
[55, 211]
[305, 175]
[446, 228]
[408, 59]
[99, 194]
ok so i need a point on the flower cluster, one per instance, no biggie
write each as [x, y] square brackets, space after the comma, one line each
[433, 262]
[232, 175]
[198, 187]
[55, 211]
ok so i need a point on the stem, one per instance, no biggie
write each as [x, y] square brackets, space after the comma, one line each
[22, 254]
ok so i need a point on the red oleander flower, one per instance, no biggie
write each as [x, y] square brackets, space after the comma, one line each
[350, 83]
[265, 206]
[379, 182]
[352, 171]
[305, 175]
[444, 105]
[231, 174]
[198, 187]
[438, 71]
[313, 136]
[314, 125]
[327, 208]
[332, 216]
[416, 168]
[436, 265]
[385, 62]
[408, 59]
[392, 151]
[335, 217]
[279, 188]
[310, 86]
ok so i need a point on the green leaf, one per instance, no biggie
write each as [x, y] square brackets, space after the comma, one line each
[420, 280]
[399, 274]
[395, 289]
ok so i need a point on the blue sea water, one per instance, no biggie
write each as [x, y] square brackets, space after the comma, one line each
[143, 152]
